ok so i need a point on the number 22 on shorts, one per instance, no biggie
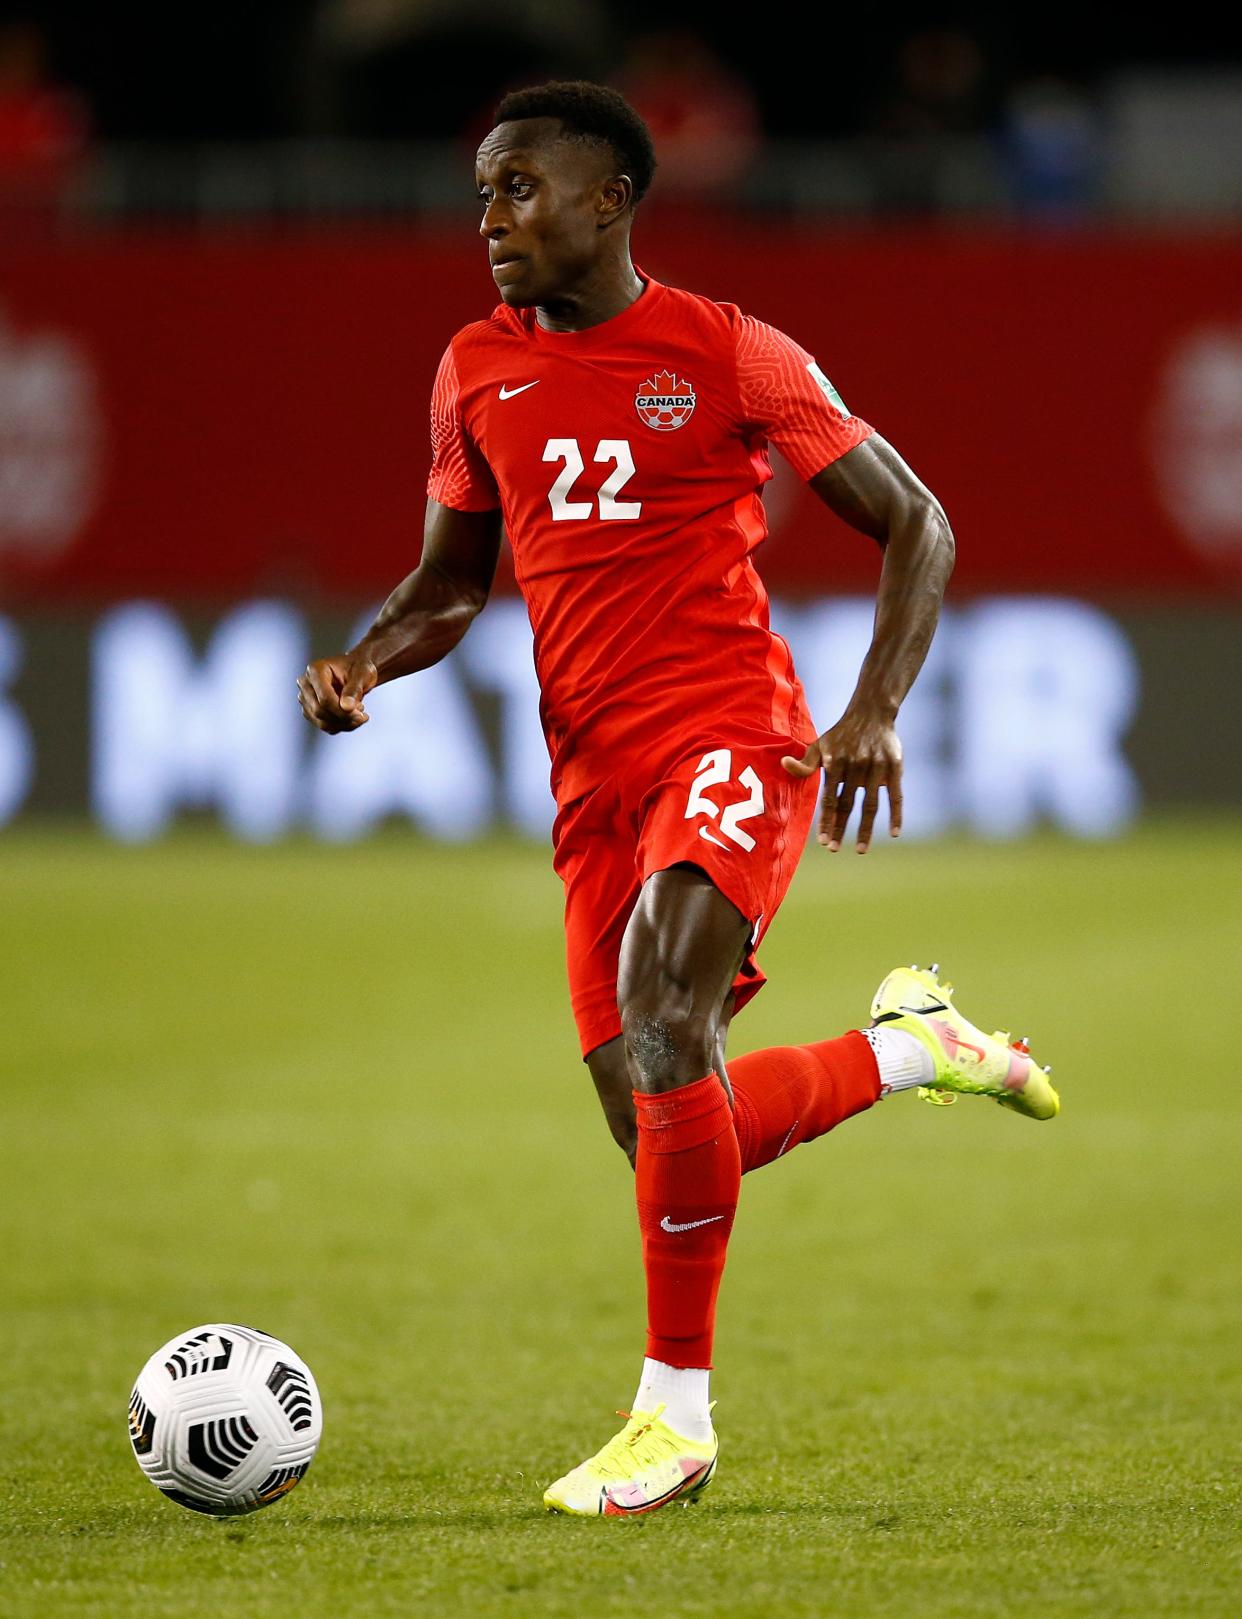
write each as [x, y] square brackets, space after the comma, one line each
[716, 767]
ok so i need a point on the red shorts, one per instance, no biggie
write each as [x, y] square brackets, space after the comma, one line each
[726, 805]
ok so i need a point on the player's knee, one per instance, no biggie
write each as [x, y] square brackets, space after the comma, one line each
[667, 1044]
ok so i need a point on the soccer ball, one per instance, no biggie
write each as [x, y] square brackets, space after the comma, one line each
[225, 1419]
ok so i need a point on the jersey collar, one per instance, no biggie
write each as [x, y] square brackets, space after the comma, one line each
[607, 331]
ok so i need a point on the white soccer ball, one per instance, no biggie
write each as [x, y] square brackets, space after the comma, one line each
[225, 1419]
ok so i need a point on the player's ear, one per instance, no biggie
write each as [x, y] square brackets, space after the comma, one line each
[616, 196]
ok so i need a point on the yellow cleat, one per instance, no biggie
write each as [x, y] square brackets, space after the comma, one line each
[643, 1467]
[967, 1061]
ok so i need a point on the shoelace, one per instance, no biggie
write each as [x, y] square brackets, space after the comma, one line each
[621, 1455]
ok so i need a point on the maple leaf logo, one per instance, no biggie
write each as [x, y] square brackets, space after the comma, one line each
[665, 401]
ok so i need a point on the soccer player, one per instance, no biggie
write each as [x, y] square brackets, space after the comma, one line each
[620, 429]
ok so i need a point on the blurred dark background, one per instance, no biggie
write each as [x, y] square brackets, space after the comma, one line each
[403, 68]
[234, 241]
[905, 110]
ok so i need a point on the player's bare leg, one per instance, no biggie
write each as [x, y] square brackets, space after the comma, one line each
[682, 947]
[610, 1070]
[611, 1074]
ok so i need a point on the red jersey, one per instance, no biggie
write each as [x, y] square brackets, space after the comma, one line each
[628, 461]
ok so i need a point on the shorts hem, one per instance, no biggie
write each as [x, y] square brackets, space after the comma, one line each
[598, 1030]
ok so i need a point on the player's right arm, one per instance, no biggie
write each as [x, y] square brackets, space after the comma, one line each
[432, 609]
[424, 618]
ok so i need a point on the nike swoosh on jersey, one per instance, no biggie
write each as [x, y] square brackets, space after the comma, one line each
[670, 1225]
[509, 393]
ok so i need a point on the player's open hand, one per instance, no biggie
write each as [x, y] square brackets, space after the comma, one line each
[859, 754]
[332, 690]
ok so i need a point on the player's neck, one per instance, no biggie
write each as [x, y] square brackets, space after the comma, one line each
[613, 289]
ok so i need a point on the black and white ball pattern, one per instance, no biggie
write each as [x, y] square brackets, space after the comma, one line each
[225, 1419]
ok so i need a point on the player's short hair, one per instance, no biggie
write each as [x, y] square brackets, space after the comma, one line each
[590, 112]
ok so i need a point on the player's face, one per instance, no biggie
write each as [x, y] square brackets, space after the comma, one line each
[543, 198]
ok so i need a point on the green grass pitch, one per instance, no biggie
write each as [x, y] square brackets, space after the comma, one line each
[966, 1364]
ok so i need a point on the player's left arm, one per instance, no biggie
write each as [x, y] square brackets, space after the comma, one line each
[873, 489]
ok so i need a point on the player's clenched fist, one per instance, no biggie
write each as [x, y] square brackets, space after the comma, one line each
[332, 690]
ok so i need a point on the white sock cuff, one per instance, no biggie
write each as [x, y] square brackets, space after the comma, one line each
[903, 1060]
[682, 1391]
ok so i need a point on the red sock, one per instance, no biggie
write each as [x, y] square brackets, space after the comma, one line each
[790, 1094]
[687, 1178]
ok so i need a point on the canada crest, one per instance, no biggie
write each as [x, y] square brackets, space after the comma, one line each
[665, 402]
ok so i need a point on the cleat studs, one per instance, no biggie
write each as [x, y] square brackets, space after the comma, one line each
[1047, 1068]
[934, 968]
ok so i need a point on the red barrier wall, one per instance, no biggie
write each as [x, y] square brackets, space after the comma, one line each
[206, 418]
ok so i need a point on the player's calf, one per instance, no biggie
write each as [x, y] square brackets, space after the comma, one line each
[610, 1071]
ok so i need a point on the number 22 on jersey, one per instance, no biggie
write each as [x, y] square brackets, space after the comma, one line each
[716, 767]
[565, 510]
